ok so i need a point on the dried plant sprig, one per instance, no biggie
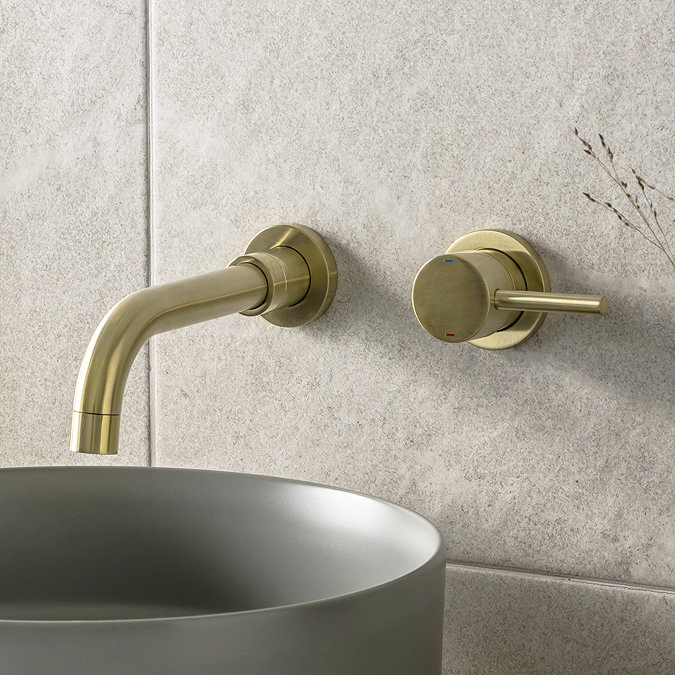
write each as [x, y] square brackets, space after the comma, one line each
[647, 212]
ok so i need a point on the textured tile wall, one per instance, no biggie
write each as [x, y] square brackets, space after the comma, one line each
[393, 128]
[72, 213]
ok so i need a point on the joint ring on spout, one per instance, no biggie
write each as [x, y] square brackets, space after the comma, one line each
[287, 277]
[318, 258]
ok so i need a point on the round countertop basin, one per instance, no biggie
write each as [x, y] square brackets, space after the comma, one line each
[155, 571]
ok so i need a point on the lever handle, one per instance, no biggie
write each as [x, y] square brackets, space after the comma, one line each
[491, 289]
[534, 301]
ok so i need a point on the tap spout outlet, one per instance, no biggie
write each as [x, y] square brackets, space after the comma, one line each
[288, 275]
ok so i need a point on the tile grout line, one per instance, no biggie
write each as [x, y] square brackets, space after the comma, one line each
[150, 218]
[555, 576]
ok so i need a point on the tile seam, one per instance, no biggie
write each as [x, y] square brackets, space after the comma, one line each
[554, 576]
[150, 219]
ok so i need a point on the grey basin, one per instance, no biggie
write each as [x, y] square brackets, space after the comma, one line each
[155, 571]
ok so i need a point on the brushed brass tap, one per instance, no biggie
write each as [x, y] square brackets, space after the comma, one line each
[491, 289]
[288, 275]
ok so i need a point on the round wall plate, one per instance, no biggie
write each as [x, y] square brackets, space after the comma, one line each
[322, 271]
[533, 269]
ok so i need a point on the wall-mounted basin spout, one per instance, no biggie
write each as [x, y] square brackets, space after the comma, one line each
[288, 275]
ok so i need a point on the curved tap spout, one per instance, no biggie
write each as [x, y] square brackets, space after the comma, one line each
[277, 280]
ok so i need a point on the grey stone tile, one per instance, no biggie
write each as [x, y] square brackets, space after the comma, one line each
[514, 623]
[72, 213]
[392, 129]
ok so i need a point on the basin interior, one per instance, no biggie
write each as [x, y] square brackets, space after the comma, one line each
[103, 543]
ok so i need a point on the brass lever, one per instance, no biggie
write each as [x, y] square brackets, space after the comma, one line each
[532, 301]
[491, 289]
